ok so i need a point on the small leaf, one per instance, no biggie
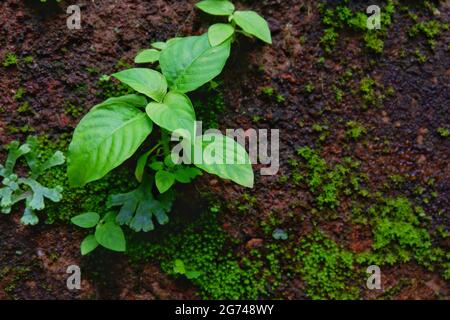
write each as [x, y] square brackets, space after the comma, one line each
[147, 56]
[88, 244]
[157, 165]
[220, 32]
[164, 180]
[168, 161]
[186, 174]
[110, 236]
[216, 7]
[159, 45]
[140, 166]
[146, 81]
[254, 24]
[178, 267]
[86, 220]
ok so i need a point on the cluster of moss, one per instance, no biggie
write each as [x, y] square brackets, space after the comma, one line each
[203, 247]
[325, 268]
[11, 59]
[400, 235]
[373, 93]
[430, 29]
[340, 17]
[325, 182]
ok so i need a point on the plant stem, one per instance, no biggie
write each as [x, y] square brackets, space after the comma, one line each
[165, 142]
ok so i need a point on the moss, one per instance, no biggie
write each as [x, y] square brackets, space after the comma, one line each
[399, 235]
[19, 94]
[329, 39]
[327, 183]
[272, 93]
[309, 88]
[28, 59]
[73, 109]
[338, 16]
[204, 248]
[24, 107]
[430, 29]
[421, 58]
[325, 268]
[354, 130]
[10, 60]
[443, 132]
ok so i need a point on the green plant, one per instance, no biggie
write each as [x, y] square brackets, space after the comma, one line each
[180, 268]
[16, 189]
[107, 232]
[325, 268]
[10, 60]
[115, 129]
[443, 132]
[355, 130]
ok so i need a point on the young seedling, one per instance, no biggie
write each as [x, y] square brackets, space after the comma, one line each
[107, 232]
[16, 189]
[114, 130]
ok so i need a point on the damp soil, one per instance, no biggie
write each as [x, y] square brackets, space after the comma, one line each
[66, 67]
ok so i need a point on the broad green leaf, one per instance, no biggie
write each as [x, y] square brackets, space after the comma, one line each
[146, 81]
[86, 220]
[110, 236]
[159, 45]
[176, 112]
[157, 165]
[216, 7]
[147, 56]
[220, 32]
[88, 244]
[131, 100]
[140, 166]
[254, 24]
[164, 180]
[186, 174]
[224, 157]
[107, 136]
[190, 62]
